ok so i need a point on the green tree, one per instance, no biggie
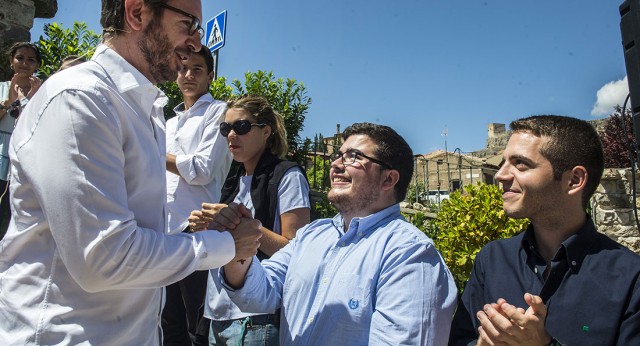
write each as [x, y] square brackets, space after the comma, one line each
[218, 89]
[318, 173]
[59, 42]
[618, 139]
[287, 96]
[467, 222]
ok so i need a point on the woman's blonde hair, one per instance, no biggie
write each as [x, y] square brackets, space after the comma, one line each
[260, 109]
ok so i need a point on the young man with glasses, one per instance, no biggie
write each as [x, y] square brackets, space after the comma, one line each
[366, 276]
[86, 256]
[198, 161]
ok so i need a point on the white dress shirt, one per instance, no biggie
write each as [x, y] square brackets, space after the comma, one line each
[202, 158]
[86, 254]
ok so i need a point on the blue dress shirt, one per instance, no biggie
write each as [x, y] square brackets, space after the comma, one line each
[381, 282]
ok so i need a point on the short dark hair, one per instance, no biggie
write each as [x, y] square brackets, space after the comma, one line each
[208, 58]
[112, 15]
[391, 148]
[571, 142]
[14, 49]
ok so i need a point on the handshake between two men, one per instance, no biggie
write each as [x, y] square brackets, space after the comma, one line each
[235, 218]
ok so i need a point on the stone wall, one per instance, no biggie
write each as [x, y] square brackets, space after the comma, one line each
[612, 207]
[16, 20]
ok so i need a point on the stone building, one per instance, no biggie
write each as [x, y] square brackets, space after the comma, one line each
[16, 19]
[447, 171]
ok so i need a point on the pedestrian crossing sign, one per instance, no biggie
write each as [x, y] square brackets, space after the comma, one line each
[215, 31]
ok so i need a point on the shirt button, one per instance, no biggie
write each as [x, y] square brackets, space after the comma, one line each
[342, 244]
[573, 263]
[310, 320]
[360, 234]
[325, 280]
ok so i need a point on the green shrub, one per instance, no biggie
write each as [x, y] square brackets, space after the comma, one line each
[321, 208]
[467, 222]
[414, 191]
[422, 222]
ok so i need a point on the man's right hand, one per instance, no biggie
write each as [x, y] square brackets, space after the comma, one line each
[504, 324]
[246, 235]
[222, 216]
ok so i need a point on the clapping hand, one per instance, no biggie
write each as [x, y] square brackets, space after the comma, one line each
[504, 324]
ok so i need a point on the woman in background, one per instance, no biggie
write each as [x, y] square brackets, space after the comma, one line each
[24, 60]
[277, 193]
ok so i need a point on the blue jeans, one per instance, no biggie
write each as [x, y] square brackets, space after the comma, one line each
[249, 331]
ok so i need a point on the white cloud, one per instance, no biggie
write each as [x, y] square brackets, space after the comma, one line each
[609, 96]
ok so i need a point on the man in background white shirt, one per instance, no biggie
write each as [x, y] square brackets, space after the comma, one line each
[86, 256]
[197, 164]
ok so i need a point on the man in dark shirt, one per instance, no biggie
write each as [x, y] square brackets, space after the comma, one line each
[560, 281]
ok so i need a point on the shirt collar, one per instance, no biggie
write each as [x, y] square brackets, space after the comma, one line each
[124, 75]
[575, 247]
[127, 79]
[366, 225]
[205, 99]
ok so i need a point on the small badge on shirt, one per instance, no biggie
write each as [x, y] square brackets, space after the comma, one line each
[353, 303]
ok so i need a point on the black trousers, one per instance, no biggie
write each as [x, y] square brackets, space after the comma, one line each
[182, 317]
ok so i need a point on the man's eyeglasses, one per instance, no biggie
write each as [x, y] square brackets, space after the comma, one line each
[195, 22]
[240, 127]
[349, 158]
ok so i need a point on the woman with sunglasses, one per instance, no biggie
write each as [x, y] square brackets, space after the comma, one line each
[277, 193]
[24, 60]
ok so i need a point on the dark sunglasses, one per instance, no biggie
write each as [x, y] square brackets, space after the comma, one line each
[195, 22]
[240, 127]
[350, 156]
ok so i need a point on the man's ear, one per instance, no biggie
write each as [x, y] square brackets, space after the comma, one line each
[575, 180]
[210, 73]
[133, 14]
[391, 179]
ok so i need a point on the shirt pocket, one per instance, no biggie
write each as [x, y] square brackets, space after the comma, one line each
[353, 292]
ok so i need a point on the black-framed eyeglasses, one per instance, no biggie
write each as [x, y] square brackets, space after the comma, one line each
[350, 156]
[195, 22]
[240, 127]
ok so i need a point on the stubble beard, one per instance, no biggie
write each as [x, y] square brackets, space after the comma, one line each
[154, 45]
[349, 202]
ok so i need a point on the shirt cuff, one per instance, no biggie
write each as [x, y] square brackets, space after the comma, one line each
[183, 163]
[218, 248]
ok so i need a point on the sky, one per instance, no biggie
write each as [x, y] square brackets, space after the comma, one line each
[423, 67]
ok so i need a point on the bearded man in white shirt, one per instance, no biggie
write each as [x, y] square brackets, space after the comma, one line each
[197, 164]
[86, 254]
